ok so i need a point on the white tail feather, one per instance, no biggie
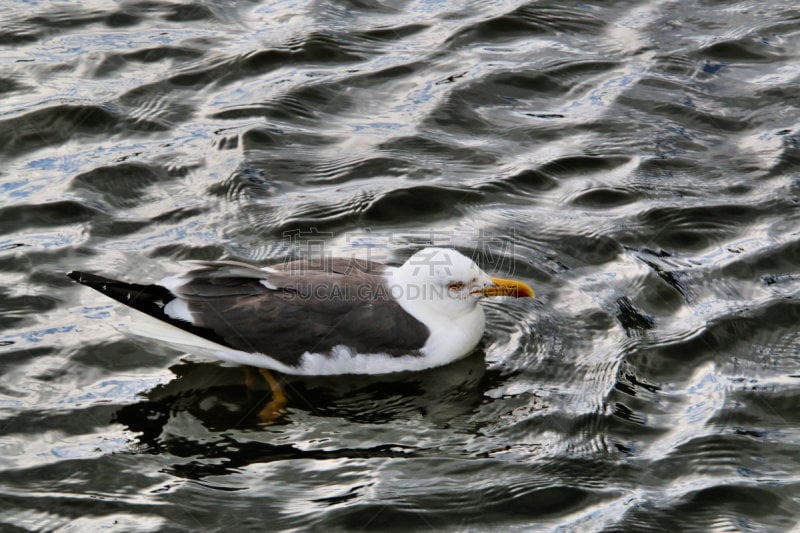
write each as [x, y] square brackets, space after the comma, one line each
[146, 326]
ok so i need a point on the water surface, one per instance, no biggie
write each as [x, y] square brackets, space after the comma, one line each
[635, 162]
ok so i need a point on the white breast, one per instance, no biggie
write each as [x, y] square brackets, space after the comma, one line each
[453, 339]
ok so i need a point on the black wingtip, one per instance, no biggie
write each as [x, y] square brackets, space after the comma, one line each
[149, 299]
[91, 280]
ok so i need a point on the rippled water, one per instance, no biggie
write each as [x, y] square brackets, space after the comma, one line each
[636, 162]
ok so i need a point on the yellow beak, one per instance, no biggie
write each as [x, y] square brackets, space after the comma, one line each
[509, 287]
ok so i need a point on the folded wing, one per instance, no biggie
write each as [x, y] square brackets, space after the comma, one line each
[281, 311]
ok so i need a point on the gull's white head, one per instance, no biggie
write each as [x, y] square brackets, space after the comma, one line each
[449, 283]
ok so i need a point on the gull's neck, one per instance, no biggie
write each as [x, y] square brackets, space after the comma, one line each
[451, 337]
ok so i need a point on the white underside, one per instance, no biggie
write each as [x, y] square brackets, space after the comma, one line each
[341, 359]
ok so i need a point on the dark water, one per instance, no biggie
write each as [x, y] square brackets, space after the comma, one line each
[636, 162]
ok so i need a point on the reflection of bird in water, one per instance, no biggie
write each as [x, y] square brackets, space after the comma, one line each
[211, 397]
[340, 316]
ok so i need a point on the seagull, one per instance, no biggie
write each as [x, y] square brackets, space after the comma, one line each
[326, 316]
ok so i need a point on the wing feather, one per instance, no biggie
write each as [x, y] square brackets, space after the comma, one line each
[299, 309]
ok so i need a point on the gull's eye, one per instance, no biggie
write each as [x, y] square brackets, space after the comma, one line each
[456, 285]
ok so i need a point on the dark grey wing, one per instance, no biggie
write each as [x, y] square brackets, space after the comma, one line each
[290, 310]
[335, 265]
